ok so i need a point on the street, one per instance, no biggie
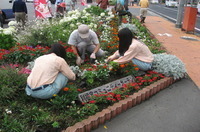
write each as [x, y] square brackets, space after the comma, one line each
[171, 14]
[160, 9]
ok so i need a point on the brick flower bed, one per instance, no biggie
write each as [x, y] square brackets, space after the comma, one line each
[110, 112]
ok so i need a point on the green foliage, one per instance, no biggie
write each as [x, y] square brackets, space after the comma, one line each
[64, 99]
[12, 83]
[6, 41]
[9, 124]
[96, 10]
[79, 113]
[169, 65]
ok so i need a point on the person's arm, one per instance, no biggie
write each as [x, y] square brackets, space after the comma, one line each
[114, 56]
[25, 8]
[97, 48]
[128, 55]
[75, 50]
[65, 69]
[13, 8]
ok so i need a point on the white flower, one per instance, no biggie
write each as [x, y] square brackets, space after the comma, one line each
[89, 6]
[8, 111]
[78, 112]
[7, 31]
[102, 14]
[72, 25]
[73, 102]
[12, 23]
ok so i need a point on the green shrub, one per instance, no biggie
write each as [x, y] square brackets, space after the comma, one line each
[6, 41]
[12, 83]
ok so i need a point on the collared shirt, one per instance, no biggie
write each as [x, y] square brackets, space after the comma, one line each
[46, 69]
[144, 3]
[75, 39]
[136, 50]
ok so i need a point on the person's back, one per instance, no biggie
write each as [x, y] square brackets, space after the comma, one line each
[19, 6]
[20, 10]
[69, 5]
[144, 3]
[124, 11]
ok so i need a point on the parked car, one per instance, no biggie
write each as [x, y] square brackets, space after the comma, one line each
[154, 1]
[171, 3]
[6, 7]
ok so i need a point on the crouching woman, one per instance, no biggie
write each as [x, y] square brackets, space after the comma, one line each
[49, 74]
[131, 49]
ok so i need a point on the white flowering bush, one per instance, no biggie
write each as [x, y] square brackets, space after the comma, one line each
[7, 37]
[169, 65]
[46, 32]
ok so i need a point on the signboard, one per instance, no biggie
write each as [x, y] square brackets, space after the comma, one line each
[42, 9]
[85, 96]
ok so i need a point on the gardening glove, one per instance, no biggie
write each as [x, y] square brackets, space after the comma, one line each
[93, 56]
[78, 60]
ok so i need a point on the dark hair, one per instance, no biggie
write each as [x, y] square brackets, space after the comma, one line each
[58, 49]
[125, 39]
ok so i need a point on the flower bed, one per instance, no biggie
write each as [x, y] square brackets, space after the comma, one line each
[23, 113]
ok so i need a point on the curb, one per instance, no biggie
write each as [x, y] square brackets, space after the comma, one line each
[110, 112]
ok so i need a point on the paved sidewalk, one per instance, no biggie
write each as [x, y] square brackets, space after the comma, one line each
[186, 50]
[176, 108]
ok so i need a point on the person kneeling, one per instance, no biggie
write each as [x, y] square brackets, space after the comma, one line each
[84, 39]
[133, 50]
[50, 74]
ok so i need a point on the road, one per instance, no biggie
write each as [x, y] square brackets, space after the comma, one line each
[171, 14]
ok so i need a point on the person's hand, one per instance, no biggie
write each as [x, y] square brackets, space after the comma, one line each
[109, 59]
[78, 61]
[93, 56]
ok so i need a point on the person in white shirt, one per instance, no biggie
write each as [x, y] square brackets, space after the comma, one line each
[131, 49]
[84, 39]
[50, 74]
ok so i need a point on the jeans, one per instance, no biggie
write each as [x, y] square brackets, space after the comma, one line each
[50, 90]
[142, 65]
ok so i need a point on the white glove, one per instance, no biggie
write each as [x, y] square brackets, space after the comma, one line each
[93, 56]
[78, 60]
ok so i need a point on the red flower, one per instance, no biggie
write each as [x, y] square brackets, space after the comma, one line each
[118, 96]
[65, 89]
[109, 98]
[83, 103]
[124, 86]
[92, 101]
[79, 90]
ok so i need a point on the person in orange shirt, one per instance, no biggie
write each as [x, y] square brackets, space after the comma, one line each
[50, 74]
[131, 49]
[144, 4]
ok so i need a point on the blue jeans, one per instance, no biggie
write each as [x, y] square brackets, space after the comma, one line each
[142, 65]
[50, 90]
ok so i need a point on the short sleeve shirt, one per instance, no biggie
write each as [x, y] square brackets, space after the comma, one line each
[75, 39]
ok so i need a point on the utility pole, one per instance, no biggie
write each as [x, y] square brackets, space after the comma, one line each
[180, 14]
